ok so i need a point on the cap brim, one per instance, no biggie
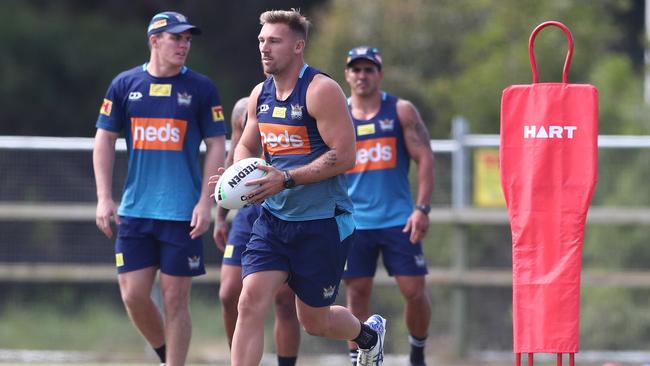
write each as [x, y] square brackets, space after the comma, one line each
[357, 58]
[180, 28]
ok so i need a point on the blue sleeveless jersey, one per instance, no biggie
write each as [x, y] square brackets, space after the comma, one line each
[378, 184]
[291, 139]
[164, 121]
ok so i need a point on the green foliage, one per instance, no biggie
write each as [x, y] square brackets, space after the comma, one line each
[417, 42]
[616, 247]
[59, 57]
[607, 322]
[621, 108]
[455, 57]
[45, 70]
[621, 173]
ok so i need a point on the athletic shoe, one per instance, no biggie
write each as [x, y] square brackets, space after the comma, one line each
[375, 355]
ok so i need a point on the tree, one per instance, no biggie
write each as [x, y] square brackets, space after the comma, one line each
[455, 57]
[60, 56]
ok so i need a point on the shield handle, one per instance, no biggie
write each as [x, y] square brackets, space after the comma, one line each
[531, 50]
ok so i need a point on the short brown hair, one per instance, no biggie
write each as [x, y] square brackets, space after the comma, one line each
[297, 22]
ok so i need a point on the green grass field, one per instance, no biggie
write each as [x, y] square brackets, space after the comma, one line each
[91, 325]
[268, 360]
[50, 325]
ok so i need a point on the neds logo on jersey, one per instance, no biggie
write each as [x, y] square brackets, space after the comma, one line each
[158, 133]
[284, 139]
[375, 154]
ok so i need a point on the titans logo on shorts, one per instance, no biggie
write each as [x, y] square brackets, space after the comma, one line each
[312, 252]
[143, 243]
[240, 233]
[401, 257]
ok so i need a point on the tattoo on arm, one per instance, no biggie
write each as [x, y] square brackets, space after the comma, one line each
[327, 160]
[419, 136]
[330, 158]
[422, 133]
[239, 111]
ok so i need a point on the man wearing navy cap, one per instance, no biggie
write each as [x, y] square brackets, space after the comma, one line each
[170, 22]
[165, 110]
[389, 133]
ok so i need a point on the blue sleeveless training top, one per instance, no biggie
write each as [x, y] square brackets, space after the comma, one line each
[378, 184]
[291, 139]
[164, 121]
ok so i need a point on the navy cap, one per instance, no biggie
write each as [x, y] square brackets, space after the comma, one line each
[364, 53]
[172, 22]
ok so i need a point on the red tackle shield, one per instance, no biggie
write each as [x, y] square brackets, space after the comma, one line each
[548, 164]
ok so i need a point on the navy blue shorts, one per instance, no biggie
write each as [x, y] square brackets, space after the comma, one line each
[312, 252]
[240, 233]
[143, 243]
[401, 257]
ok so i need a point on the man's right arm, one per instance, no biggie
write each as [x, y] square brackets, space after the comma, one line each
[327, 104]
[237, 122]
[249, 143]
[103, 161]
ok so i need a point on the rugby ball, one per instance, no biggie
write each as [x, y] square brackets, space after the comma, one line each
[231, 191]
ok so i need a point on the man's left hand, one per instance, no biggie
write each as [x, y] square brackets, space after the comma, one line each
[200, 218]
[417, 225]
[270, 184]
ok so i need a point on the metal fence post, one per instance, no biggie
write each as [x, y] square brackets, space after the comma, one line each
[460, 200]
[459, 164]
